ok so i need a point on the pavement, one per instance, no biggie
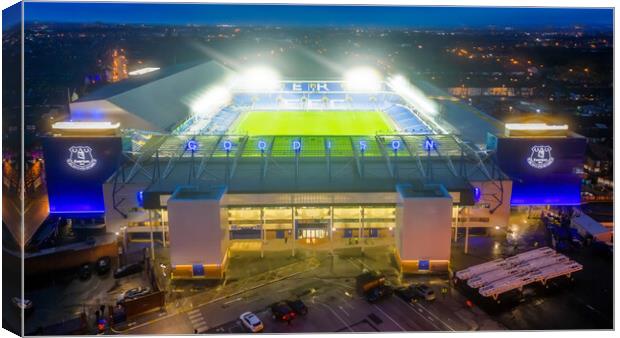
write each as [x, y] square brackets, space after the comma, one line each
[326, 283]
[62, 296]
[585, 303]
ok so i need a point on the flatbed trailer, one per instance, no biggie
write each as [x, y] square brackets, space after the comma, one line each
[507, 284]
[542, 262]
[542, 275]
[499, 276]
[492, 276]
[481, 268]
[556, 270]
[530, 255]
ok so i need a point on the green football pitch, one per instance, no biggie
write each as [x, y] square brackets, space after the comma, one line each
[312, 123]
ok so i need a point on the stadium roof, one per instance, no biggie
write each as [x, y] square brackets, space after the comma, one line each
[342, 168]
[155, 101]
[468, 122]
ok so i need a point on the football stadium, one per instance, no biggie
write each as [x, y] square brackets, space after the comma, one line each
[206, 160]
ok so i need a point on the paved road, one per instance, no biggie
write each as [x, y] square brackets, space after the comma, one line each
[585, 304]
[333, 307]
[326, 285]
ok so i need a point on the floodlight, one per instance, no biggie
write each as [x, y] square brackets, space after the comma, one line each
[86, 125]
[258, 79]
[362, 79]
[143, 71]
[413, 95]
[536, 126]
[211, 100]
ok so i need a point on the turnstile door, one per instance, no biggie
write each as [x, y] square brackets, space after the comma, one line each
[313, 234]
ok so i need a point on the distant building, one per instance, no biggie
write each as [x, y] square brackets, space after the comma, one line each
[117, 68]
[491, 91]
[598, 163]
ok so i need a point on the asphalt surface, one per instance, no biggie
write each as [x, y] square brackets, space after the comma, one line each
[328, 290]
[586, 302]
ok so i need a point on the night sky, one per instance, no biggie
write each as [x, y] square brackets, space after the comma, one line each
[426, 17]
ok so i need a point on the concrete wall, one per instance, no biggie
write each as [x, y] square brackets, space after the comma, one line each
[423, 232]
[491, 194]
[196, 232]
[127, 202]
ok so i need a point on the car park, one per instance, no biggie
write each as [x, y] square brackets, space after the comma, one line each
[103, 265]
[378, 293]
[84, 272]
[128, 270]
[251, 322]
[423, 291]
[133, 294]
[406, 294]
[282, 311]
[298, 307]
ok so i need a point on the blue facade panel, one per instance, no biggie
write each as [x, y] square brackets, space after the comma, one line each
[544, 171]
[76, 168]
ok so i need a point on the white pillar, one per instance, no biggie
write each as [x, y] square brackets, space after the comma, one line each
[362, 228]
[262, 232]
[164, 221]
[294, 231]
[152, 239]
[456, 224]
[331, 229]
[466, 239]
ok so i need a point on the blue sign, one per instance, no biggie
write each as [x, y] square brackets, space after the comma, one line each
[424, 265]
[140, 198]
[429, 144]
[395, 145]
[477, 194]
[363, 146]
[328, 144]
[312, 86]
[297, 146]
[227, 145]
[262, 145]
[191, 145]
[198, 270]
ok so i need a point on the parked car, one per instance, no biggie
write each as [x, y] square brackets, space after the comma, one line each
[128, 270]
[406, 294]
[281, 311]
[103, 265]
[378, 293]
[84, 272]
[423, 291]
[251, 322]
[298, 307]
[133, 294]
[22, 303]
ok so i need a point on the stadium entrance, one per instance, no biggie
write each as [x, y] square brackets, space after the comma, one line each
[311, 236]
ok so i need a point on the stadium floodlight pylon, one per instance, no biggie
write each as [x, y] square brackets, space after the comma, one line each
[258, 79]
[363, 79]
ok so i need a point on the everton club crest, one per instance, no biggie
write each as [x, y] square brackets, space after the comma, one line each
[540, 157]
[81, 158]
